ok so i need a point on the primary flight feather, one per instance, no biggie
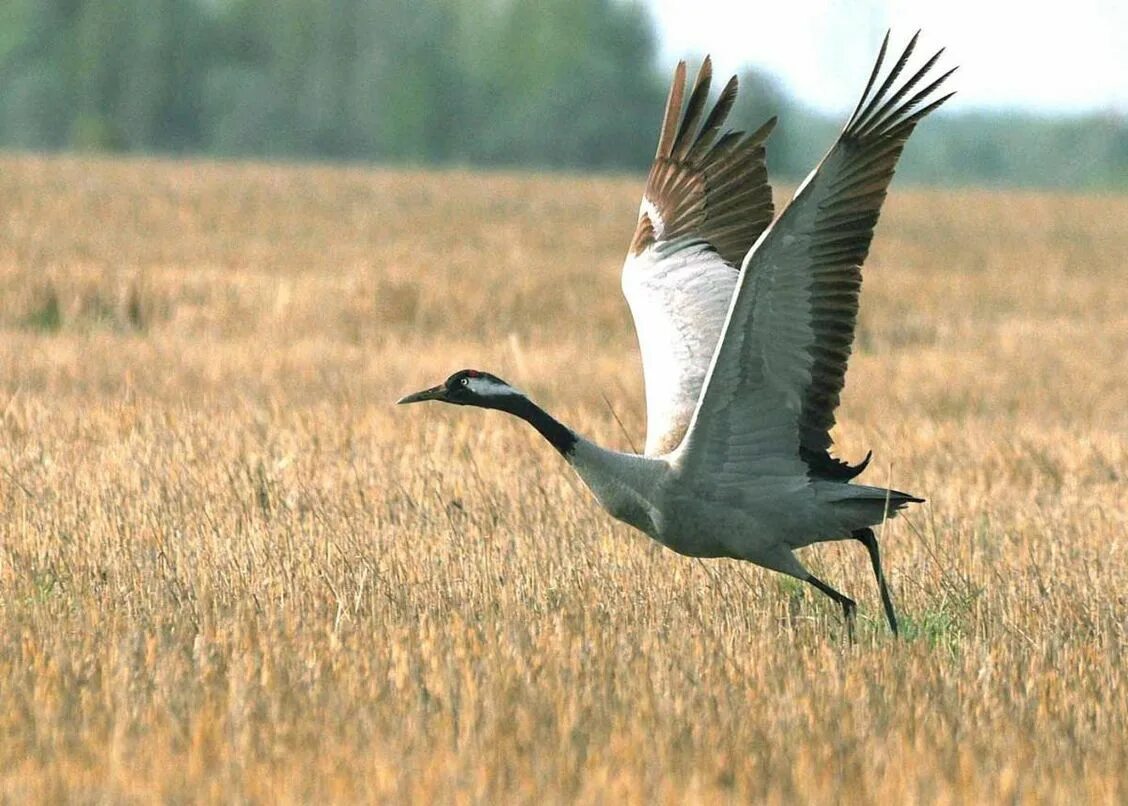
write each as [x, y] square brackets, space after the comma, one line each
[745, 327]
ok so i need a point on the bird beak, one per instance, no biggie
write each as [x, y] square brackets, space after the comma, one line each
[434, 393]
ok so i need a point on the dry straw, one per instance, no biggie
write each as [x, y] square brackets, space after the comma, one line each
[231, 569]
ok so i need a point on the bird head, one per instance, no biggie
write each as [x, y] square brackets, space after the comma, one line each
[469, 387]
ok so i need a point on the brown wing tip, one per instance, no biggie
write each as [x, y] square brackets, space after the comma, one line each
[673, 112]
[679, 74]
[764, 132]
[705, 72]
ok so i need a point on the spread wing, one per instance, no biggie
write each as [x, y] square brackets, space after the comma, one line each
[775, 379]
[707, 199]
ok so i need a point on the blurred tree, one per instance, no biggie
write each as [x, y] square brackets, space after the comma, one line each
[557, 83]
[413, 91]
[36, 72]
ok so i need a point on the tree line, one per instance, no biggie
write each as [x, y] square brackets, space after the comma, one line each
[539, 83]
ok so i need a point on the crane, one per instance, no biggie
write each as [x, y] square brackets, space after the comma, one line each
[745, 325]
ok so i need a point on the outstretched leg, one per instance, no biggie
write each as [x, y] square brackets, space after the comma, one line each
[867, 538]
[848, 605]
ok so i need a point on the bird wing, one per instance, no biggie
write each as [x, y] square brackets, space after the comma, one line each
[707, 199]
[769, 400]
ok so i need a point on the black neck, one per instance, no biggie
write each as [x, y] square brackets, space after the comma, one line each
[559, 435]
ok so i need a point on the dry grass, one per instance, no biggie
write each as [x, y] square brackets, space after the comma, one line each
[230, 569]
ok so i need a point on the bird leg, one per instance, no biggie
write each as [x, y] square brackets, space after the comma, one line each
[867, 538]
[848, 605]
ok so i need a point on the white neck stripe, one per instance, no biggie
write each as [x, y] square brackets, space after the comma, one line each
[488, 387]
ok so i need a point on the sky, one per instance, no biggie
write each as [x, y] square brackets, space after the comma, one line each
[1055, 57]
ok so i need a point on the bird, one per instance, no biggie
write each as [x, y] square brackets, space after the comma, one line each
[745, 322]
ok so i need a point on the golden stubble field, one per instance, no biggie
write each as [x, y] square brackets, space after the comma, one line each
[232, 570]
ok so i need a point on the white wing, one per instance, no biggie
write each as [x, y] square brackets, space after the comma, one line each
[707, 200]
[769, 401]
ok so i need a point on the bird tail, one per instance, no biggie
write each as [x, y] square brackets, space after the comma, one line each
[870, 505]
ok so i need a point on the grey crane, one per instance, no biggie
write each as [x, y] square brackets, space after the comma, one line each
[745, 326]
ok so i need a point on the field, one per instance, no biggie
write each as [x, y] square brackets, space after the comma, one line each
[232, 570]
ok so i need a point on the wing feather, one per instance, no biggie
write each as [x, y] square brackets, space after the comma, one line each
[778, 372]
[673, 109]
[693, 111]
[707, 199]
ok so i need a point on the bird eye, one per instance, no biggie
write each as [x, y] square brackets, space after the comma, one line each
[465, 381]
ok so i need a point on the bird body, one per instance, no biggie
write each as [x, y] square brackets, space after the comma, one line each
[745, 326]
[762, 521]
